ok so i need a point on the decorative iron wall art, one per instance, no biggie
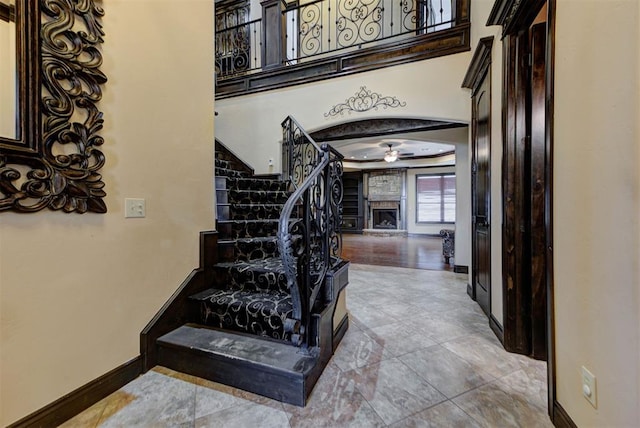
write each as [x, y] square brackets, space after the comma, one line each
[365, 100]
[61, 172]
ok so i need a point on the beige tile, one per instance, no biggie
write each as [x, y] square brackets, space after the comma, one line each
[248, 415]
[443, 415]
[485, 354]
[448, 373]
[356, 350]
[399, 339]
[88, 418]
[393, 390]
[500, 404]
[160, 400]
[334, 402]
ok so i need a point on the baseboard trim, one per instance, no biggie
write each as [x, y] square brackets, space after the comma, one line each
[460, 269]
[497, 328]
[470, 291]
[561, 418]
[340, 331]
[82, 398]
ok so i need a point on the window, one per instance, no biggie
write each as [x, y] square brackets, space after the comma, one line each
[436, 198]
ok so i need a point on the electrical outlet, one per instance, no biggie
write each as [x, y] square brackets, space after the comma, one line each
[271, 162]
[134, 208]
[589, 386]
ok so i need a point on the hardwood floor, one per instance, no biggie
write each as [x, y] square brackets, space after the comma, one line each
[418, 251]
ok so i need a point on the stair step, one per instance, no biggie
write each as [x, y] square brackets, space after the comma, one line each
[269, 368]
[256, 184]
[248, 211]
[230, 172]
[222, 163]
[234, 229]
[244, 249]
[233, 196]
[257, 313]
[256, 275]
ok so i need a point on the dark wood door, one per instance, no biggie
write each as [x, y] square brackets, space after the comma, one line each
[537, 193]
[481, 194]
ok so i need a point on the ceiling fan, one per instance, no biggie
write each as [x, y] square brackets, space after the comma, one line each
[392, 155]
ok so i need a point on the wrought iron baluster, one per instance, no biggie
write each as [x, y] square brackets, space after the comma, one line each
[309, 244]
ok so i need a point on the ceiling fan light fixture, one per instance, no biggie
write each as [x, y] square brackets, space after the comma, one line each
[391, 155]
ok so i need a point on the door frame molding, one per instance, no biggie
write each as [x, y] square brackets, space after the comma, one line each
[515, 16]
[480, 69]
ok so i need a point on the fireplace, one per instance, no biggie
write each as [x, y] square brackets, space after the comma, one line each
[385, 218]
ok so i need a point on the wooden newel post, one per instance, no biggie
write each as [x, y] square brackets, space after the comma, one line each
[273, 33]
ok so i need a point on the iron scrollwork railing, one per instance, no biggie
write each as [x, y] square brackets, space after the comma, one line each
[309, 237]
[321, 26]
[238, 48]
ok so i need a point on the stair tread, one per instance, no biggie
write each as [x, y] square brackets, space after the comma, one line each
[255, 220]
[247, 240]
[271, 264]
[271, 355]
[215, 292]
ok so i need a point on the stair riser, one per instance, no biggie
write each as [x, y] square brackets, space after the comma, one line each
[257, 314]
[246, 250]
[256, 197]
[248, 212]
[223, 172]
[247, 229]
[287, 389]
[248, 279]
[255, 184]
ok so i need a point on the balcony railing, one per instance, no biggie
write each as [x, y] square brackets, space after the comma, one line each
[313, 39]
[327, 26]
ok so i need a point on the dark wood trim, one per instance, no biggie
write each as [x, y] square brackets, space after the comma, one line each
[7, 12]
[514, 15]
[176, 311]
[82, 398]
[479, 63]
[460, 269]
[376, 127]
[497, 328]
[515, 265]
[550, 62]
[439, 155]
[560, 417]
[340, 331]
[418, 48]
[471, 291]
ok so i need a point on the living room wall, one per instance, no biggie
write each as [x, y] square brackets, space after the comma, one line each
[76, 290]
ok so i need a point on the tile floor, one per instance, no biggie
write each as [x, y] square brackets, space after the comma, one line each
[418, 353]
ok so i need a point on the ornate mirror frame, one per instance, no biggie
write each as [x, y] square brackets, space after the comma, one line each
[55, 161]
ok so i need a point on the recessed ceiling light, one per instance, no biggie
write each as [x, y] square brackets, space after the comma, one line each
[364, 157]
[353, 157]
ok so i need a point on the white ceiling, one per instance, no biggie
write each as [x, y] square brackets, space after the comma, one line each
[415, 144]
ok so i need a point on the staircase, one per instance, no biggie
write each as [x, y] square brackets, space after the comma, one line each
[258, 312]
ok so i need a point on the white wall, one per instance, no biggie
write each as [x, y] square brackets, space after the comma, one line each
[463, 206]
[596, 209]
[250, 124]
[76, 290]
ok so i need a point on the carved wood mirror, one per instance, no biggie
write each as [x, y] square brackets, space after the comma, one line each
[50, 83]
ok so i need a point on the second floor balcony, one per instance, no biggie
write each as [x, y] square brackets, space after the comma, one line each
[304, 41]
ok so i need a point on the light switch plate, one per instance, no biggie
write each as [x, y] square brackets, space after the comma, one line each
[134, 207]
[589, 386]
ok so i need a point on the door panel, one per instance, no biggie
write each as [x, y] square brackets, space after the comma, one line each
[481, 185]
[537, 193]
